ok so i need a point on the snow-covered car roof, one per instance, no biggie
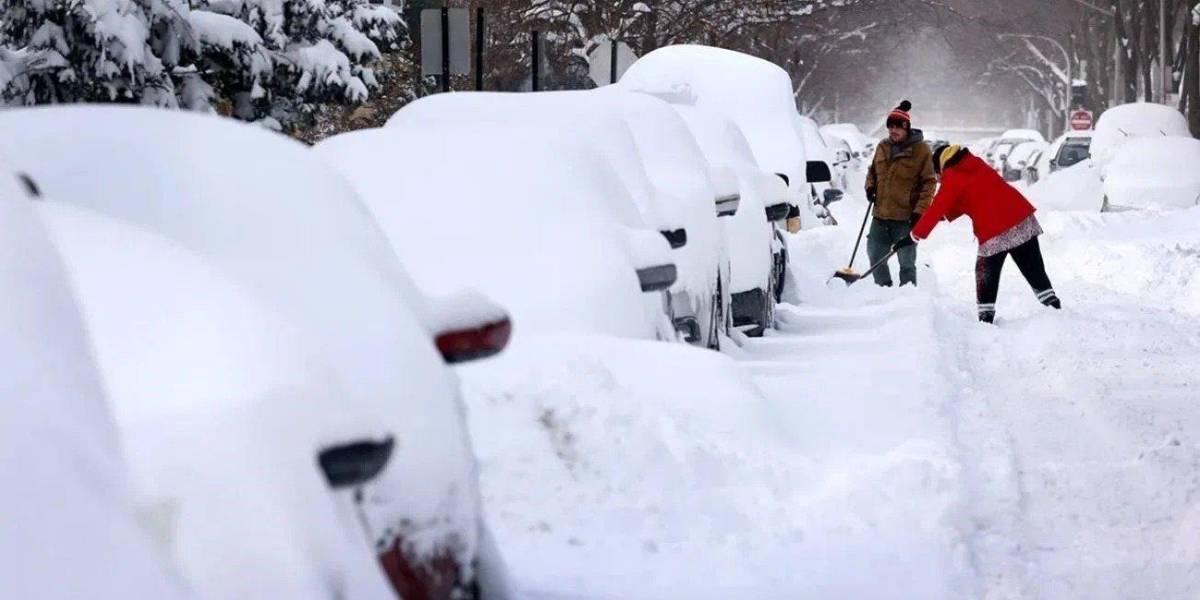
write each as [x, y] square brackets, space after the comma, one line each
[755, 93]
[1023, 134]
[68, 530]
[289, 229]
[1154, 173]
[222, 409]
[573, 115]
[509, 210]
[1140, 119]
[815, 146]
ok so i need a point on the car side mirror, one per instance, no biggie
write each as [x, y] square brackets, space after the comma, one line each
[832, 196]
[816, 171]
[354, 464]
[843, 156]
[1054, 163]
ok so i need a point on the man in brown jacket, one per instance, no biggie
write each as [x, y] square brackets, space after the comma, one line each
[900, 183]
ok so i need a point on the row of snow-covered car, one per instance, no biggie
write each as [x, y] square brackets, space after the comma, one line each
[229, 368]
[1140, 156]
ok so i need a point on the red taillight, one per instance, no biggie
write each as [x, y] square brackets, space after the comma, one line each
[436, 577]
[464, 345]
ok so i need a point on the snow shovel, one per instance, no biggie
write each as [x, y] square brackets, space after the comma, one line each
[850, 278]
[848, 275]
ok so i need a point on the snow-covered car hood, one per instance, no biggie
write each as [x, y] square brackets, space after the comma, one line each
[286, 227]
[1154, 173]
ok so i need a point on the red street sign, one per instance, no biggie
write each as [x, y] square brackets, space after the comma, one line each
[1081, 120]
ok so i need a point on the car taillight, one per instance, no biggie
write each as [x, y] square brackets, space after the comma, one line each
[462, 345]
[435, 577]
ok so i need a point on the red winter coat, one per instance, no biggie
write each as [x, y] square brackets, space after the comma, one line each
[972, 188]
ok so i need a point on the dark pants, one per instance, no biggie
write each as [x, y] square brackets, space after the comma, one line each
[883, 234]
[1028, 257]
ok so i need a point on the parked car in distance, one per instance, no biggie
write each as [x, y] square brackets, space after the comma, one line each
[68, 528]
[1001, 146]
[1021, 156]
[288, 229]
[1070, 148]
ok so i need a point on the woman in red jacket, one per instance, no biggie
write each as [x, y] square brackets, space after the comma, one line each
[1003, 221]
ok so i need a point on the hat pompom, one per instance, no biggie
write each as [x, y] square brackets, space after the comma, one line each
[905, 105]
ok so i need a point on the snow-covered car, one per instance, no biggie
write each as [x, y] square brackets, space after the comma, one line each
[653, 154]
[862, 146]
[1033, 169]
[754, 93]
[287, 228]
[226, 417]
[67, 528]
[824, 188]
[535, 229]
[1068, 149]
[1012, 168]
[1000, 147]
[1119, 124]
[758, 252]
[1153, 173]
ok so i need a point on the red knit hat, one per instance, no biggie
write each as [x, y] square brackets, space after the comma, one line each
[900, 113]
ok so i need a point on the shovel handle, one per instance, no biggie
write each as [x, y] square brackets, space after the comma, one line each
[876, 265]
[858, 241]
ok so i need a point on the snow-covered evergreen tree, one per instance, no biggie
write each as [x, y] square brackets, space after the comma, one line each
[263, 60]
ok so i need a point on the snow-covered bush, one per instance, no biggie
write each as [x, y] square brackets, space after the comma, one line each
[270, 60]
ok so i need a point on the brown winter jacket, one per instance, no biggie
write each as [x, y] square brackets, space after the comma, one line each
[903, 178]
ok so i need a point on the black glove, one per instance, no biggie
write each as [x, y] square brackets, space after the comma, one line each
[902, 243]
[912, 221]
[871, 194]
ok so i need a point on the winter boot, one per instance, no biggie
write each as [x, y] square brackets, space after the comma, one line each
[987, 313]
[1048, 298]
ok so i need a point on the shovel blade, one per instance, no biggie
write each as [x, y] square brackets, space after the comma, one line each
[846, 275]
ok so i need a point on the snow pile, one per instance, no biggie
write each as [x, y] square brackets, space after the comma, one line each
[1154, 173]
[67, 529]
[628, 469]
[1077, 187]
[1141, 119]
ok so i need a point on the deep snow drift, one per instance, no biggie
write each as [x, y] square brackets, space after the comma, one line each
[881, 443]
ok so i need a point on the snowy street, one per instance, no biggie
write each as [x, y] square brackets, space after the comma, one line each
[1054, 458]
[636, 300]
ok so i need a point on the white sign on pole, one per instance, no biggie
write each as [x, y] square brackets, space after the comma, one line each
[431, 41]
[600, 63]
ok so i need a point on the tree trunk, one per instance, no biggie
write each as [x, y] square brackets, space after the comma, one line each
[1191, 77]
